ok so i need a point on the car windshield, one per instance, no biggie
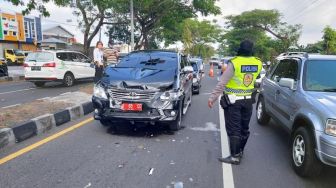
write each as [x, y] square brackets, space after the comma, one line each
[153, 60]
[18, 53]
[40, 57]
[194, 65]
[319, 76]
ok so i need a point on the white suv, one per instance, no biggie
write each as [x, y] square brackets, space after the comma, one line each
[63, 66]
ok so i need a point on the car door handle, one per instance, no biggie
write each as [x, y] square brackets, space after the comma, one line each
[278, 92]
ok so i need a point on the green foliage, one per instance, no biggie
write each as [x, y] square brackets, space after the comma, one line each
[329, 40]
[255, 25]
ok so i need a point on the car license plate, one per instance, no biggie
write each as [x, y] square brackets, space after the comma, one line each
[137, 107]
[36, 68]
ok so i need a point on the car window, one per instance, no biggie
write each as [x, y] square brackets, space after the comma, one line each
[10, 52]
[286, 69]
[82, 58]
[194, 65]
[62, 56]
[184, 61]
[319, 75]
[72, 57]
[152, 60]
[40, 57]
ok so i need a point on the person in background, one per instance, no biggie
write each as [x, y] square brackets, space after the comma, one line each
[98, 61]
[111, 54]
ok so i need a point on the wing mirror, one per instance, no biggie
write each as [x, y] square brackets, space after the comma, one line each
[287, 82]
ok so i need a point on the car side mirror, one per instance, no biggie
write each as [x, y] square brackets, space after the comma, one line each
[188, 69]
[287, 82]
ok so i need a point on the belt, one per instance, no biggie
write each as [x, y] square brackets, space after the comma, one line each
[243, 97]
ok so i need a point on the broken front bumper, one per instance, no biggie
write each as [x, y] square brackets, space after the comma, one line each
[154, 111]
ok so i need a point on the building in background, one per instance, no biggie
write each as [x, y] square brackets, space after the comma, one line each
[57, 37]
[18, 32]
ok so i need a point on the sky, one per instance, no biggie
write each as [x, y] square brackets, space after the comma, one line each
[314, 15]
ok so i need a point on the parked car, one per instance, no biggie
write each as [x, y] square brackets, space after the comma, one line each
[300, 94]
[215, 61]
[3, 67]
[146, 86]
[199, 62]
[60, 66]
[197, 77]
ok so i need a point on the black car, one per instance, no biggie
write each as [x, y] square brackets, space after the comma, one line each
[197, 77]
[3, 68]
[146, 86]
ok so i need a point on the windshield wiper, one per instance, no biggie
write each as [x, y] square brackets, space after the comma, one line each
[152, 61]
[330, 90]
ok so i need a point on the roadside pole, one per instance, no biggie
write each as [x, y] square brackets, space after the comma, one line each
[132, 26]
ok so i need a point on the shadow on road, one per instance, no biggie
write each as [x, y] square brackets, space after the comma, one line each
[140, 130]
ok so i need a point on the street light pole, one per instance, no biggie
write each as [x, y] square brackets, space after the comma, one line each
[132, 26]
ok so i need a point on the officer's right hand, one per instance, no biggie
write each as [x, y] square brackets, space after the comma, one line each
[210, 104]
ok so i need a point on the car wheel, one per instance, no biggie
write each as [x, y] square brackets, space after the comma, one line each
[39, 84]
[304, 159]
[68, 80]
[262, 117]
[176, 125]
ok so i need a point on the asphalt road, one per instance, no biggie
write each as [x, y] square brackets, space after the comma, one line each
[16, 93]
[91, 157]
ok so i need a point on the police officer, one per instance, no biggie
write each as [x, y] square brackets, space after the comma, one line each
[237, 83]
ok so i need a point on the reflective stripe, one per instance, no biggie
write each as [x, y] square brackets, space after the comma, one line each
[239, 91]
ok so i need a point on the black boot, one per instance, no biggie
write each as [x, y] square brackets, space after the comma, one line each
[234, 158]
[243, 144]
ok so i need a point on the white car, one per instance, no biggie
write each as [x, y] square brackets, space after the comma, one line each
[61, 66]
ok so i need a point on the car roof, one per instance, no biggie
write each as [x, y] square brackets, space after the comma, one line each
[58, 51]
[311, 56]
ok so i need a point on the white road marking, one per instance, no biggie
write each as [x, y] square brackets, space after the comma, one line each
[227, 168]
[16, 91]
[10, 106]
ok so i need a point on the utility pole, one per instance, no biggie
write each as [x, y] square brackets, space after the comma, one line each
[100, 33]
[132, 26]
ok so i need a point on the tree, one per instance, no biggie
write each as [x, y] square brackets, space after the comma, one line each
[92, 14]
[197, 35]
[158, 21]
[329, 40]
[268, 21]
[265, 28]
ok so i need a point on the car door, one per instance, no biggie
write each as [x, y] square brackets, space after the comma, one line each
[279, 100]
[87, 71]
[285, 97]
[77, 67]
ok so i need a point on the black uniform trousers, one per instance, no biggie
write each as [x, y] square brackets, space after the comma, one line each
[237, 119]
[99, 73]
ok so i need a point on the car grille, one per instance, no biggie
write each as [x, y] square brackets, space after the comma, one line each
[131, 95]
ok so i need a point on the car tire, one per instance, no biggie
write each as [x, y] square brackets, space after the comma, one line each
[304, 159]
[68, 80]
[262, 117]
[39, 84]
[176, 124]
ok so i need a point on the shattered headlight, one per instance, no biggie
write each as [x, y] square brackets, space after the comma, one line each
[99, 91]
[170, 96]
[331, 127]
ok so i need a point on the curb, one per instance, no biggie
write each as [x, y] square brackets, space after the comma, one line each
[12, 78]
[42, 124]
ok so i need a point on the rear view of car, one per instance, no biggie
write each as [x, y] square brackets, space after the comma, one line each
[59, 66]
[3, 68]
